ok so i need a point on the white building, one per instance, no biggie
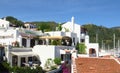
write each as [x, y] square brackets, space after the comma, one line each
[43, 45]
[71, 26]
[92, 49]
[51, 52]
[4, 23]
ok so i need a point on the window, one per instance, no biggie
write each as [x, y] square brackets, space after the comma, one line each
[82, 40]
[29, 58]
[22, 61]
[62, 57]
[14, 60]
[24, 42]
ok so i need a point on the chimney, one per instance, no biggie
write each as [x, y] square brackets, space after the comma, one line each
[4, 18]
[72, 20]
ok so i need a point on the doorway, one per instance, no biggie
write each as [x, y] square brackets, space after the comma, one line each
[92, 52]
[22, 61]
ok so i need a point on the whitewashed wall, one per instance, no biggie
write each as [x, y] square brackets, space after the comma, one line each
[8, 36]
[77, 29]
[4, 23]
[48, 51]
[44, 52]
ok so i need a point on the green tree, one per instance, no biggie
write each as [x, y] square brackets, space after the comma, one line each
[81, 48]
[45, 26]
[59, 27]
[15, 21]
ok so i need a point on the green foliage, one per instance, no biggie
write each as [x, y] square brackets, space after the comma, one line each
[39, 69]
[4, 66]
[53, 67]
[14, 21]
[26, 70]
[49, 63]
[45, 26]
[57, 61]
[81, 48]
[59, 27]
[56, 42]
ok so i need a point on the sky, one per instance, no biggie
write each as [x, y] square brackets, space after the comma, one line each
[100, 12]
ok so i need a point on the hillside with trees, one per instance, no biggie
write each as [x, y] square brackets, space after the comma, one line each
[14, 21]
[102, 35]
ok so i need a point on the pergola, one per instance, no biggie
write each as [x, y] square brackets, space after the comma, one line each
[55, 37]
[47, 38]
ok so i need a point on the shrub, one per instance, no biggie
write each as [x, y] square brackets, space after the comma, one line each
[49, 63]
[5, 68]
[81, 48]
[56, 42]
[57, 61]
[53, 67]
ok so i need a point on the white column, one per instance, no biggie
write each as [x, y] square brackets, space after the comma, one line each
[43, 42]
[36, 42]
[19, 61]
[47, 41]
[26, 59]
[86, 40]
[28, 42]
[20, 41]
[10, 60]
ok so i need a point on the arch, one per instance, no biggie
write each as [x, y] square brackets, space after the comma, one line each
[92, 52]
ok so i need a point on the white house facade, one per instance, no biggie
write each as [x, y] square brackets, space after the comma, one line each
[92, 49]
[71, 26]
[33, 43]
[4, 23]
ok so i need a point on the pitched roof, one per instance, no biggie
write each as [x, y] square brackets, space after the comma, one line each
[97, 65]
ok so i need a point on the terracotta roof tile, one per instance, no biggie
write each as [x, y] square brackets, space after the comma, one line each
[97, 65]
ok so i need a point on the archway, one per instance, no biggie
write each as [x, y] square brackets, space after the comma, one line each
[92, 52]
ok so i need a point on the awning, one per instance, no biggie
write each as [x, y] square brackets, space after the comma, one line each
[23, 53]
[53, 37]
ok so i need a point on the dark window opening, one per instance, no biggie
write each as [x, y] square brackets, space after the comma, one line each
[14, 60]
[22, 61]
[62, 57]
[32, 42]
[24, 42]
[82, 40]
